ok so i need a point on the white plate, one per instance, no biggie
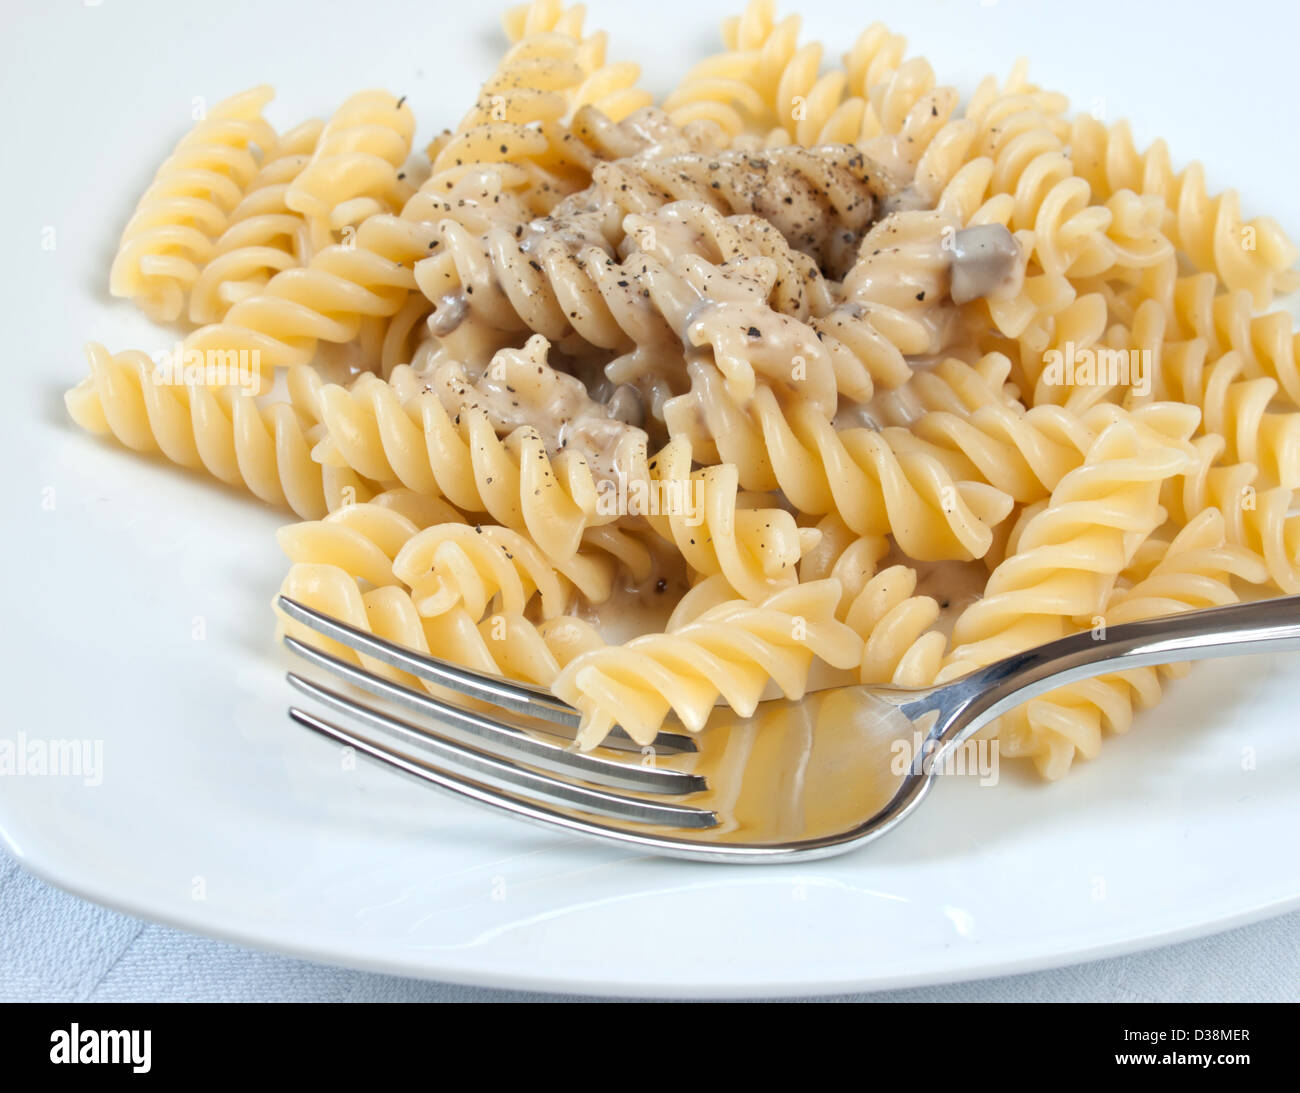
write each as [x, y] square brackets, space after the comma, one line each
[138, 598]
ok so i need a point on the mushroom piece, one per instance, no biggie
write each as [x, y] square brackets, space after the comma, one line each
[984, 259]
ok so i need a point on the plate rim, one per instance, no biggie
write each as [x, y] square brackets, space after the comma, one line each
[248, 938]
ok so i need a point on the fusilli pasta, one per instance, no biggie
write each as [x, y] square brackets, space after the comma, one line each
[811, 373]
[263, 234]
[170, 235]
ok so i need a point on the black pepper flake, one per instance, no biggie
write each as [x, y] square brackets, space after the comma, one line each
[753, 332]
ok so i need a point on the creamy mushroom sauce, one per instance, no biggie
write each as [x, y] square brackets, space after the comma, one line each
[635, 609]
[519, 387]
[822, 202]
[953, 585]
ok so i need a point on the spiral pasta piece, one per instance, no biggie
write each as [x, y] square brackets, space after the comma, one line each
[1195, 570]
[819, 200]
[355, 169]
[863, 475]
[504, 645]
[455, 564]
[1235, 407]
[729, 652]
[264, 448]
[547, 114]
[368, 277]
[757, 549]
[171, 234]
[1071, 549]
[400, 537]
[1253, 256]
[1022, 452]
[363, 537]
[1258, 518]
[807, 102]
[610, 88]
[852, 104]
[1267, 343]
[263, 235]
[765, 83]
[405, 435]
[1026, 453]
[1040, 192]
[504, 129]
[727, 89]
[948, 385]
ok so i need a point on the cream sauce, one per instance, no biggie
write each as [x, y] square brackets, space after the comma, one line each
[953, 585]
[824, 203]
[633, 610]
[519, 387]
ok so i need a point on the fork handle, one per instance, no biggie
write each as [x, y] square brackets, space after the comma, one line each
[1263, 626]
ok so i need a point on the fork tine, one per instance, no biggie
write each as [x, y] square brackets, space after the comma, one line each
[543, 787]
[517, 697]
[465, 728]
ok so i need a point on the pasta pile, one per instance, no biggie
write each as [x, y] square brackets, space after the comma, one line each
[808, 374]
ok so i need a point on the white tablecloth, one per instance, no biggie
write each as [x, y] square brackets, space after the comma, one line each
[56, 947]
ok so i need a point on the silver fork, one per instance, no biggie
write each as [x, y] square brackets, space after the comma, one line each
[797, 781]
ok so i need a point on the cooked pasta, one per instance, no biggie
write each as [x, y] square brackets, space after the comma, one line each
[263, 447]
[731, 651]
[501, 645]
[1196, 569]
[356, 167]
[813, 372]
[1071, 548]
[263, 234]
[1207, 228]
[184, 210]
